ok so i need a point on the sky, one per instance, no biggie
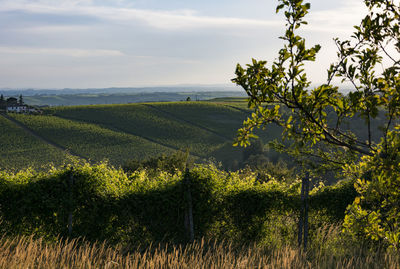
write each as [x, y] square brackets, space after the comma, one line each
[136, 43]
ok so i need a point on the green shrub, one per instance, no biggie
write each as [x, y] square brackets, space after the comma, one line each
[145, 208]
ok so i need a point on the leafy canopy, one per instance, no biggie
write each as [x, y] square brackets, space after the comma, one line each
[315, 120]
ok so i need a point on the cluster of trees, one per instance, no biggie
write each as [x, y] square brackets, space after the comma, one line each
[10, 101]
[314, 119]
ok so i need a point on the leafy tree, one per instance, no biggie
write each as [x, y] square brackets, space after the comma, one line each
[315, 119]
[2, 101]
[374, 213]
[12, 101]
[20, 100]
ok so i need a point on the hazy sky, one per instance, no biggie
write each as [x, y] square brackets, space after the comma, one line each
[122, 43]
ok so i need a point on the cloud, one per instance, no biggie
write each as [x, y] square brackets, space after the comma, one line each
[61, 52]
[328, 20]
[166, 20]
[120, 41]
[54, 29]
[337, 20]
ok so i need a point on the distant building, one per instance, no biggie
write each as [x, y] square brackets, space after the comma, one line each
[17, 108]
[21, 109]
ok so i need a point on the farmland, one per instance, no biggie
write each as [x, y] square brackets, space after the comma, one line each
[146, 122]
[90, 141]
[120, 133]
[20, 149]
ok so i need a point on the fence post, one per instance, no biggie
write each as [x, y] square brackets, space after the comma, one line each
[307, 190]
[301, 217]
[71, 200]
[303, 221]
[189, 206]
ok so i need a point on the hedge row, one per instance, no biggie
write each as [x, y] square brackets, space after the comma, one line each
[104, 203]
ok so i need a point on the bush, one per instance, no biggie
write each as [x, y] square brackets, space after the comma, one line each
[142, 208]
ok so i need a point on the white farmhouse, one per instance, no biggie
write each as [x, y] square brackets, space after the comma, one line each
[18, 108]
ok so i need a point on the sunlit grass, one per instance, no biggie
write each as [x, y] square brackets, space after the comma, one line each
[27, 252]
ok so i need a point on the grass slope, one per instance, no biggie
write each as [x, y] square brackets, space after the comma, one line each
[144, 121]
[221, 119]
[139, 131]
[90, 140]
[19, 149]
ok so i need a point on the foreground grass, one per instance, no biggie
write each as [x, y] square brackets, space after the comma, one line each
[26, 252]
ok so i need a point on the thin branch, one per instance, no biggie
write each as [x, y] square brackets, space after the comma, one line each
[369, 128]
[341, 61]
[388, 55]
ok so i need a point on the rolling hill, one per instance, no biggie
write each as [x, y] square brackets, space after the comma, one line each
[120, 133]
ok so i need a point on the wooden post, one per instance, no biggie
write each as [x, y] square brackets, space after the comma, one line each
[301, 217]
[71, 200]
[189, 207]
[307, 190]
[302, 236]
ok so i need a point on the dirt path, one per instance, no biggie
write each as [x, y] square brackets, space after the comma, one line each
[43, 139]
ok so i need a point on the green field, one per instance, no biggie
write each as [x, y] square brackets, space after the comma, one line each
[91, 141]
[220, 119]
[21, 149]
[144, 121]
[120, 133]
[124, 132]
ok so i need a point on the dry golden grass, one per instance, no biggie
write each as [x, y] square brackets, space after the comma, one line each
[26, 252]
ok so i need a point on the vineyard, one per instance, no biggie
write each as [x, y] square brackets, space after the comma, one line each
[220, 119]
[138, 206]
[313, 182]
[21, 149]
[147, 122]
[120, 133]
[90, 141]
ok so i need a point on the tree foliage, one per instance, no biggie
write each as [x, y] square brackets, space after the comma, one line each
[375, 214]
[315, 119]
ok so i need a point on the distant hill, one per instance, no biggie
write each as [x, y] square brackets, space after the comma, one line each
[122, 98]
[124, 90]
